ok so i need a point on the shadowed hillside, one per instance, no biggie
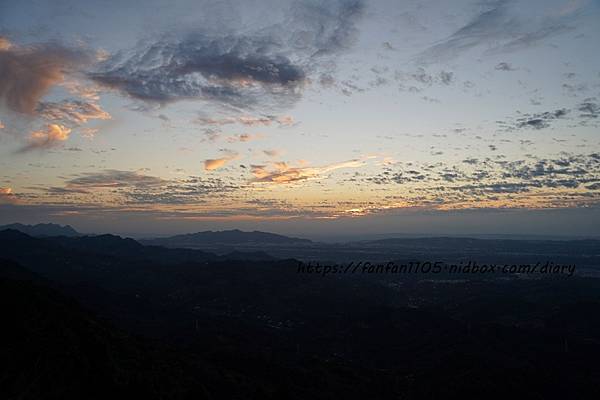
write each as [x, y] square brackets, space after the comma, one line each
[171, 323]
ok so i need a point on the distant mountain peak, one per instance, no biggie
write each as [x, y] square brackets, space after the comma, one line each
[230, 237]
[245, 236]
[42, 230]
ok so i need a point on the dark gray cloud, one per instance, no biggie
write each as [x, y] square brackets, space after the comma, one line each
[486, 179]
[535, 120]
[422, 78]
[446, 77]
[235, 69]
[583, 113]
[541, 120]
[135, 188]
[504, 66]
[325, 27]
[589, 108]
[113, 179]
[192, 190]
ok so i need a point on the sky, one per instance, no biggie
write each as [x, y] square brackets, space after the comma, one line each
[304, 117]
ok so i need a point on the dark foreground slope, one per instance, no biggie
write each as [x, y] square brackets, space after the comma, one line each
[229, 328]
[54, 349]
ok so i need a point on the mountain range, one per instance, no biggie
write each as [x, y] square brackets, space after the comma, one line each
[224, 239]
[42, 230]
[103, 316]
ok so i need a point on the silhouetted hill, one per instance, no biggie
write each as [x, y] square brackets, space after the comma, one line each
[97, 258]
[584, 252]
[42, 230]
[226, 238]
[104, 244]
[11, 270]
[55, 349]
[244, 328]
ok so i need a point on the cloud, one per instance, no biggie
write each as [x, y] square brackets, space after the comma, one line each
[504, 66]
[325, 27]
[423, 78]
[503, 26]
[536, 120]
[110, 189]
[532, 38]
[4, 43]
[88, 133]
[266, 67]
[113, 179]
[273, 153]
[282, 173]
[248, 120]
[253, 121]
[285, 120]
[589, 109]
[73, 112]
[216, 121]
[44, 139]
[27, 73]
[446, 77]
[231, 71]
[490, 24]
[548, 182]
[244, 137]
[86, 91]
[191, 190]
[216, 163]
[6, 193]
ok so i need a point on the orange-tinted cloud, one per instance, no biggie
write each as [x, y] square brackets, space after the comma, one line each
[27, 73]
[6, 194]
[244, 137]
[52, 136]
[4, 43]
[285, 120]
[282, 173]
[73, 112]
[216, 163]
